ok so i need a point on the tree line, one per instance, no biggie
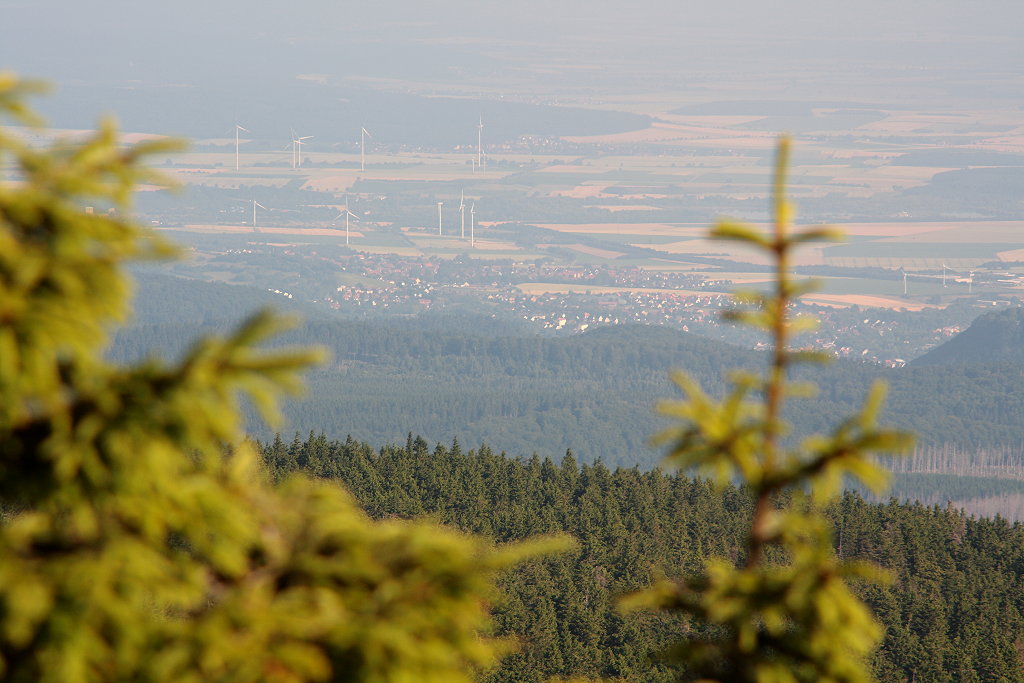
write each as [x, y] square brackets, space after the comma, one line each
[954, 612]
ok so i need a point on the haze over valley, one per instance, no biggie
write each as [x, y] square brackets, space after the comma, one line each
[551, 170]
[490, 224]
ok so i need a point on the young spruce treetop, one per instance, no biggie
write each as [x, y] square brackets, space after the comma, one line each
[131, 547]
[784, 613]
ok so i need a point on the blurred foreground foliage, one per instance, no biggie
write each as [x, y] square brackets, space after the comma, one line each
[784, 612]
[131, 547]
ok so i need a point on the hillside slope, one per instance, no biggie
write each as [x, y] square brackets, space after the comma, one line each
[594, 393]
[992, 337]
[954, 611]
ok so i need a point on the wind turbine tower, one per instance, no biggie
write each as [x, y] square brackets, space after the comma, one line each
[439, 204]
[238, 128]
[254, 205]
[479, 143]
[297, 150]
[347, 214]
[472, 225]
[363, 133]
[462, 214]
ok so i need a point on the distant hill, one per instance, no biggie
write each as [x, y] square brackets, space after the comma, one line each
[993, 337]
[161, 299]
[450, 375]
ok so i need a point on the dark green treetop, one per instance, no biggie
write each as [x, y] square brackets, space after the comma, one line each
[131, 547]
[784, 613]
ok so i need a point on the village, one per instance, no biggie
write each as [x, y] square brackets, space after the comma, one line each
[560, 300]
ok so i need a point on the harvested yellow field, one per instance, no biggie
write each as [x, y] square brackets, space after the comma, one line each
[746, 142]
[676, 133]
[666, 266]
[710, 120]
[436, 242]
[571, 168]
[1005, 143]
[847, 153]
[135, 138]
[746, 280]
[1012, 255]
[908, 174]
[199, 177]
[623, 207]
[681, 229]
[270, 230]
[492, 245]
[967, 233]
[562, 288]
[904, 123]
[585, 191]
[375, 249]
[595, 251]
[887, 229]
[658, 132]
[701, 246]
[846, 300]
[910, 263]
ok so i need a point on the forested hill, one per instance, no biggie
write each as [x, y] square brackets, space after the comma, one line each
[593, 393]
[161, 299]
[955, 611]
[995, 336]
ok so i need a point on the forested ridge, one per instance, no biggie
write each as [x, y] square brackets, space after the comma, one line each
[955, 611]
[145, 536]
[593, 392]
[997, 334]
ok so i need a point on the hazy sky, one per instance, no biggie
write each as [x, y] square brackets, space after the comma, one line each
[929, 51]
[57, 35]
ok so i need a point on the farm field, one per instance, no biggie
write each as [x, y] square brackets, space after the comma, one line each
[532, 288]
[644, 198]
[269, 230]
[865, 301]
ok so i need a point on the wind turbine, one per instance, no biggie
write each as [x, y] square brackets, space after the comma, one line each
[439, 205]
[462, 213]
[254, 205]
[479, 143]
[238, 128]
[297, 149]
[347, 214]
[362, 147]
[472, 225]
